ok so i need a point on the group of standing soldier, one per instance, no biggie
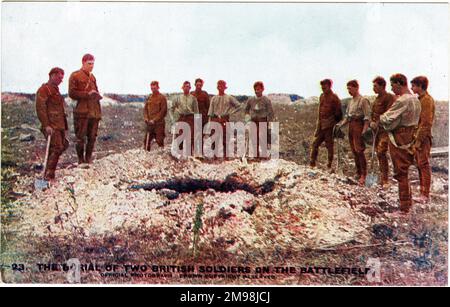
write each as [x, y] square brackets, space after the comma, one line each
[217, 109]
[87, 113]
[401, 122]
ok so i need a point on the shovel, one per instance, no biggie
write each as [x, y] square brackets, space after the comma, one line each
[146, 140]
[372, 178]
[339, 169]
[42, 184]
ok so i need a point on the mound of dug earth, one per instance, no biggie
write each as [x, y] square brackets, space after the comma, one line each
[268, 205]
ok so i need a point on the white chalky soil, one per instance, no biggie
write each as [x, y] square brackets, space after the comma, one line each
[307, 208]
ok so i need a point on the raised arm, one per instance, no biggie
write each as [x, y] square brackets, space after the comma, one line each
[74, 91]
[391, 119]
[236, 104]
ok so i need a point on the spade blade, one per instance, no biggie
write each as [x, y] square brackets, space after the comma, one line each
[371, 180]
[40, 184]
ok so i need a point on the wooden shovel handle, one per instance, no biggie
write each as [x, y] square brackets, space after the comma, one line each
[146, 140]
[47, 149]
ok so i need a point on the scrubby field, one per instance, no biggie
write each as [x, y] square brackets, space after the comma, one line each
[255, 215]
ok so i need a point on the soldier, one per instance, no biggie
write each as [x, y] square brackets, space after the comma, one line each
[51, 114]
[401, 121]
[221, 107]
[202, 100]
[155, 111]
[259, 109]
[381, 104]
[185, 107]
[358, 116]
[423, 142]
[87, 113]
[330, 113]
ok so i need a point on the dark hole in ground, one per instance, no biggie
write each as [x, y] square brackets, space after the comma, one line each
[173, 187]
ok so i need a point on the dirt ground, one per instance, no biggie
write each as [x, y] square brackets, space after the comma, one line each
[412, 249]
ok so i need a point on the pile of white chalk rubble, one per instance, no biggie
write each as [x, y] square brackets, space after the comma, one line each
[305, 208]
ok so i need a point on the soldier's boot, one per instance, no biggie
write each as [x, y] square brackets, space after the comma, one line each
[362, 180]
[404, 191]
[314, 153]
[89, 151]
[384, 169]
[313, 157]
[52, 162]
[80, 152]
[358, 165]
[330, 158]
[363, 165]
[330, 151]
[405, 205]
[425, 180]
[330, 166]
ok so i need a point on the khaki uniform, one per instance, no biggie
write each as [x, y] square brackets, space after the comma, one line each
[330, 113]
[381, 104]
[203, 104]
[51, 113]
[87, 113]
[401, 121]
[423, 142]
[220, 109]
[261, 111]
[358, 111]
[185, 107]
[155, 110]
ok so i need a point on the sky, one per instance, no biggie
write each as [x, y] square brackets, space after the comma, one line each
[290, 46]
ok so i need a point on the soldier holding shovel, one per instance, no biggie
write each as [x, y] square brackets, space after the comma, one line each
[401, 123]
[51, 113]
